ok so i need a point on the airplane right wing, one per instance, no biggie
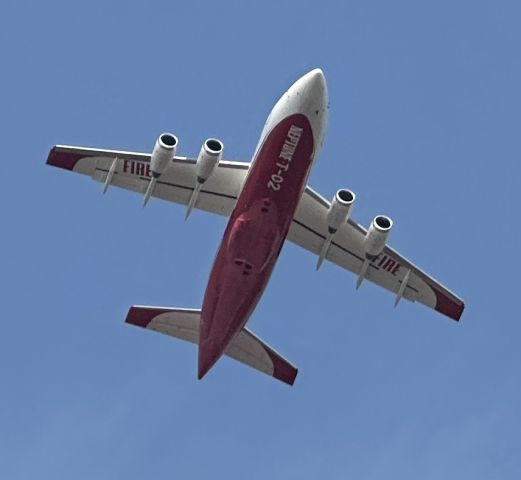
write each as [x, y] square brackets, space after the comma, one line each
[131, 171]
[389, 270]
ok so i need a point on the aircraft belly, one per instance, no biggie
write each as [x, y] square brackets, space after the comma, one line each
[254, 235]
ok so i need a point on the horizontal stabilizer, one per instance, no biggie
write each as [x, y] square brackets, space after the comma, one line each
[246, 348]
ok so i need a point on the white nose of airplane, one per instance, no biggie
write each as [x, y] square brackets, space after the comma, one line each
[307, 96]
[311, 87]
[315, 81]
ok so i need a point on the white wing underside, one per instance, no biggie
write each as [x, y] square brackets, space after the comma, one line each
[308, 229]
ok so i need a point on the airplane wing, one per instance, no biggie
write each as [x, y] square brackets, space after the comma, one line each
[131, 171]
[246, 348]
[390, 270]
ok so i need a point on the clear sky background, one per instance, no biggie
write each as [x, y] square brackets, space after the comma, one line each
[424, 126]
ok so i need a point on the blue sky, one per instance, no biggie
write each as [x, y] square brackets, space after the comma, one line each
[424, 126]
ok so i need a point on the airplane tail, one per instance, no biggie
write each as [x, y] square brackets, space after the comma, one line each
[246, 347]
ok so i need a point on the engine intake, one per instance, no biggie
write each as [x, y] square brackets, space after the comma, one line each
[164, 151]
[209, 156]
[376, 236]
[340, 209]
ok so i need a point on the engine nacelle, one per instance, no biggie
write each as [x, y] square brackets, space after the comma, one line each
[209, 156]
[376, 236]
[340, 209]
[164, 152]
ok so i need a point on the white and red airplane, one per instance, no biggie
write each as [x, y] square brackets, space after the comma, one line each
[267, 201]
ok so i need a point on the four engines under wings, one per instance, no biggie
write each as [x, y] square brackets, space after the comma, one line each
[322, 227]
[209, 157]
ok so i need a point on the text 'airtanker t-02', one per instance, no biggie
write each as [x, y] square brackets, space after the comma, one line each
[267, 201]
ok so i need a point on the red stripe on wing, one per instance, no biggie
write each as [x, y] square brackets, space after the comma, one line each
[66, 160]
[447, 306]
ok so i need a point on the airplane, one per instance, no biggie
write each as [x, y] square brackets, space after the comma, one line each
[267, 201]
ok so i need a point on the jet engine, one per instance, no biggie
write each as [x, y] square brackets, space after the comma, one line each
[209, 157]
[376, 236]
[338, 213]
[164, 151]
[374, 243]
[340, 209]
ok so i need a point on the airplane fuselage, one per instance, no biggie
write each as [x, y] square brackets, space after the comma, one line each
[262, 216]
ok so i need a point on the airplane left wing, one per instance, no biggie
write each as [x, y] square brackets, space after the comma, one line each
[131, 171]
[389, 269]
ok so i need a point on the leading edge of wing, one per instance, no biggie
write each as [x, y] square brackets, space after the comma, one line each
[66, 157]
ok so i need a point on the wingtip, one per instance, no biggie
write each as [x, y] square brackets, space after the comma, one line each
[449, 307]
[290, 380]
[60, 158]
[457, 317]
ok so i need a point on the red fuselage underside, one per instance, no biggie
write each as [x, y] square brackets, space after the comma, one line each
[254, 235]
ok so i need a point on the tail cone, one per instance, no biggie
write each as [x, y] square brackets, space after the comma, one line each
[209, 353]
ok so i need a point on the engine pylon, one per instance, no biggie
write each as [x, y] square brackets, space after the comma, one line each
[338, 213]
[193, 199]
[163, 153]
[324, 250]
[149, 191]
[363, 272]
[401, 290]
[110, 174]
